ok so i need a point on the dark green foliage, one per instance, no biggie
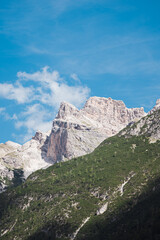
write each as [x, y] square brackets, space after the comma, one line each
[53, 203]
[141, 222]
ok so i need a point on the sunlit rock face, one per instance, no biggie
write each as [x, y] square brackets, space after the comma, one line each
[78, 132]
[26, 158]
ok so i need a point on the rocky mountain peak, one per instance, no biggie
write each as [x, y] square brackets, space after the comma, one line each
[102, 100]
[66, 110]
[156, 107]
[40, 136]
[77, 132]
[148, 126]
[158, 102]
[110, 113]
[12, 144]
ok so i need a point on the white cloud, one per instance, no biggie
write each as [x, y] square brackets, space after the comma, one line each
[44, 92]
[6, 115]
[2, 109]
[75, 77]
[34, 118]
[53, 90]
[16, 92]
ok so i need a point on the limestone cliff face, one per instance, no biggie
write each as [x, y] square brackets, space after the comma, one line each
[70, 140]
[112, 115]
[77, 132]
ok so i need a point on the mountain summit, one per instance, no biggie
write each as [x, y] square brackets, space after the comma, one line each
[74, 133]
[77, 132]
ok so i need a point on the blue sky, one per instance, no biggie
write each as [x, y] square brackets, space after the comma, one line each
[67, 50]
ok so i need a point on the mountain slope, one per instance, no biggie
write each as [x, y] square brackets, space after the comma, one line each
[74, 133]
[83, 197]
[137, 219]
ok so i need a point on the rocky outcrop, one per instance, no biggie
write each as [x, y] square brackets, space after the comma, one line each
[33, 154]
[70, 140]
[28, 158]
[6, 173]
[77, 132]
[148, 125]
[7, 148]
[156, 107]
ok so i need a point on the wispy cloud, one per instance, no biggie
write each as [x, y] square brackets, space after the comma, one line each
[16, 92]
[3, 112]
[35, 117]
[75, 77]
[35, 50]
[127, 56]
[53, 89]
[2, 109]
[20, 20]
[107, 48]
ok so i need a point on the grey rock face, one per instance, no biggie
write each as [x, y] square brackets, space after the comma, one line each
[28, 157]
[6, 173]
[156, 107]
[70, 140]
[78, 132]
[148, 125]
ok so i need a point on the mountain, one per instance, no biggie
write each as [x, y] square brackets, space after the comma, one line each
[74, 133]
[17, 161]
[111, 193]
[148, 126]
[77, 132]
[6, 149]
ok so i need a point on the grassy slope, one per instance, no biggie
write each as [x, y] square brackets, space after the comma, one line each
[52, 203]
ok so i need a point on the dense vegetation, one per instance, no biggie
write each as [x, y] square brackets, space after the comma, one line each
[53, 203]
[136, 218]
